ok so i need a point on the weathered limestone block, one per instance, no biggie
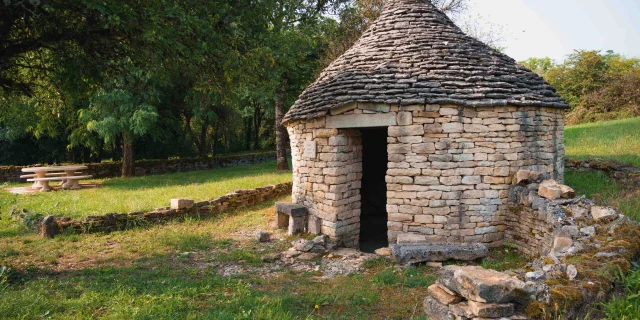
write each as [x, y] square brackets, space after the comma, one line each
[411, 130]
[491, 310]
[603, 213]
[435, 310]
[551, 190]
[483, 285]
[441, 295]
[408, 252]
[182, 203]
[404, 118]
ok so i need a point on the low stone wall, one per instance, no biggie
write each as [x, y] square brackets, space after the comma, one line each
[151, 167]
[626, 174]
[115, 222]
[580, 249]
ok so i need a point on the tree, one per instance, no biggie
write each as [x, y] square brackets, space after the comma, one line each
[124, 110]
[539, 65]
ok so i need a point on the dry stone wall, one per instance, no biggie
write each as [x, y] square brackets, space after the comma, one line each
[151, 167]
[581, 248]
[328, 183]
[449, 167]
[181, 209]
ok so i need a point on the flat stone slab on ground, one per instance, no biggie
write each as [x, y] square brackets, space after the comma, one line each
[483, 285]
[437, 252]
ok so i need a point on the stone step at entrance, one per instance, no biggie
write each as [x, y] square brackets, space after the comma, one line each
[410, 253]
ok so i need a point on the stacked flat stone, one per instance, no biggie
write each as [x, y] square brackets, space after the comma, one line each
[475, 293]
[462, 119]
[449, 169]
[414, 54]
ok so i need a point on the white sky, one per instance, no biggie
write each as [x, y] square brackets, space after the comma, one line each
[554, 28]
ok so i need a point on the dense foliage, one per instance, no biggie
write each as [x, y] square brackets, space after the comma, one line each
[85, 80]
[598, 86]
[88, 80]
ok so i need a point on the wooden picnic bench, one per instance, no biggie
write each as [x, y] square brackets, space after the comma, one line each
[69, 178]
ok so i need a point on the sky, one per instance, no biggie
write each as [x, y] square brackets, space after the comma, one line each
[554, 28]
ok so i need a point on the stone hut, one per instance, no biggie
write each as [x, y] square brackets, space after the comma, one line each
[415, 133]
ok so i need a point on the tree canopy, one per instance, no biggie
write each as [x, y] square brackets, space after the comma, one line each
[88, 80]
[597, 85]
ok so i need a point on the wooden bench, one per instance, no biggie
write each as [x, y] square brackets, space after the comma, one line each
[71, 182]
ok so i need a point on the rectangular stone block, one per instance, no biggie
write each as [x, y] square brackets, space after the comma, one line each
[361, 120]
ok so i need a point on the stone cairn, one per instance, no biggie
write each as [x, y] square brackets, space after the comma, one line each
[580, 247]
[470, 292]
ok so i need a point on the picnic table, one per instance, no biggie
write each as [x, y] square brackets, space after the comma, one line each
[67, 175]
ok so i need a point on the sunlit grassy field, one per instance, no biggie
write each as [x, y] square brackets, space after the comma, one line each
[176, 271]
[619, 140]
[144, 193]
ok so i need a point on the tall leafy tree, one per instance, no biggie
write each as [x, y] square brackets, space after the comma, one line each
[125, 109]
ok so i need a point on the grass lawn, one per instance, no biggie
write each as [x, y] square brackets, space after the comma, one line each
[619, 140]
[143, 193]
[209, 269]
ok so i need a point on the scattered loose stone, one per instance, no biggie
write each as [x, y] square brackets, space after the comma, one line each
[49, 227]
[561, 244]
[302, 245]
[383, 252]
[535, 275]
[572, 272]
[442, 296]
[549, 189]
[291, 253]
[270, 258]
[321, 240]
[434, 264]
[603, 213]
[263, 236]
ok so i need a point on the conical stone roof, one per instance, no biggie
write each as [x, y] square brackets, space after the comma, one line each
[414, 54]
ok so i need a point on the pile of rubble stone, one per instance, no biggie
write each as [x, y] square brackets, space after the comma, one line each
[471, 292]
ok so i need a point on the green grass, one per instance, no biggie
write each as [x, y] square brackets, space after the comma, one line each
[148, 274]
[605, 191]
[626, 305]
[619, 140]
[144, 193]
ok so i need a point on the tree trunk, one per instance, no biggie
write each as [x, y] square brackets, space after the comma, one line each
[128, 162]
[247, 142]
[281, 132]
[202, 144]
[257, 123]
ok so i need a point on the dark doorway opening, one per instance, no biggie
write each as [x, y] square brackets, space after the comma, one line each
[373, 193]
